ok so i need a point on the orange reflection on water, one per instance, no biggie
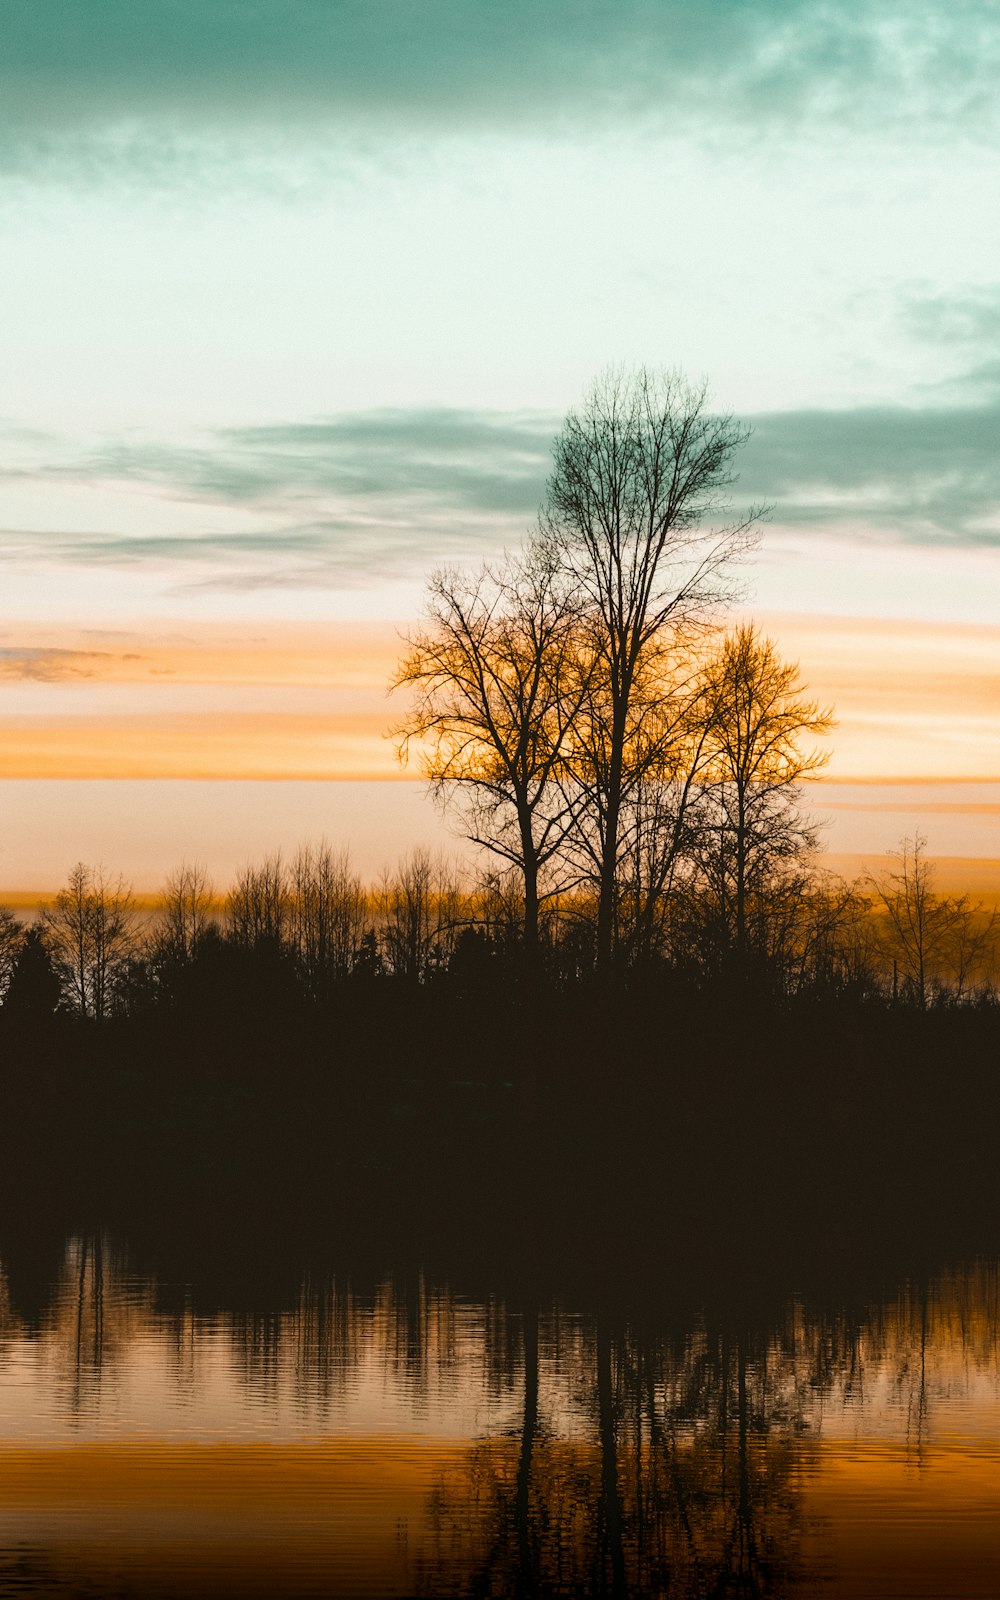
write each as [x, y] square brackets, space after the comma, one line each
[892, 1526]
[258, 1518]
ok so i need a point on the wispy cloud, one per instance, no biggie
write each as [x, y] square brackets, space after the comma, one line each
[481, 460]
[339, 500]
[385, 491]
[44, 665]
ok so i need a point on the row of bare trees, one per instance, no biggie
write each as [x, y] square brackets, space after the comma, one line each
[105, 952]
[97, 952]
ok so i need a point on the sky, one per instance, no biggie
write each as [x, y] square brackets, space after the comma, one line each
[297, 293]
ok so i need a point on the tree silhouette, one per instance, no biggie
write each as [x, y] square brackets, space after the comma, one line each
[91, 931]
[632, 508]
[11, 941]
[186, 907]
[33, 988]
[931, 938]
[496, 679]
[326, 919]
[418, 910]
[753, 833]
[663, 754]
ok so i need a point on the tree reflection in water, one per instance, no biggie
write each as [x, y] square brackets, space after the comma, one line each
[587, 1452]
[687, 1481]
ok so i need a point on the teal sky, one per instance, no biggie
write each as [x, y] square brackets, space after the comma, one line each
[296, 291]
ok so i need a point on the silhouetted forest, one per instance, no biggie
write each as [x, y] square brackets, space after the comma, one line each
[239, 1074]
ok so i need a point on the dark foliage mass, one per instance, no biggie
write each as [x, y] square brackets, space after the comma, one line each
[472, 1102]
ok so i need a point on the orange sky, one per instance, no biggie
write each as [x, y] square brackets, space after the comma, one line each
[916, 746]
[912, 701]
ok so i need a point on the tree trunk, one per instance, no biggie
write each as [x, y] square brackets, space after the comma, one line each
[529, 867]
[609, 853]
[609, 1460]
[741, 880]
[525, 1554]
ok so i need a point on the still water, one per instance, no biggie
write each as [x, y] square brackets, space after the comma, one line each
[396, 1436]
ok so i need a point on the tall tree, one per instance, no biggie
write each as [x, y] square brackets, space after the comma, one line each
[663, 753]
[496, 677]
[419, 909]
[257, 906]
[637, 510]
[326, 915]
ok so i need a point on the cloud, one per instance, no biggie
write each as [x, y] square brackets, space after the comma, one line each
[109, 83]
[45, 665]
[379, 494]
[326, 500]
[470, 460]
[966, 317]
[920, 475]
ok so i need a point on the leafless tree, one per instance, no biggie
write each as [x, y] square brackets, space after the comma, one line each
[257, 905]
[420, 913]
[972, 947]
[932, 940]
[327, 910]
[186, 911]
[658, 792]
[91, 931]
[637, 511]
[497, 676]
[754, 834]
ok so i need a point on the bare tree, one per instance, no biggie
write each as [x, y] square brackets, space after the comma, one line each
[820, 932]
[496, 679]
[91, 927]
[931, 939]
[637, 511]
[664, 749]
[971, 948]
[186, 911]
[257, 906]
[420, 913]
[326, 915]
[754, 833]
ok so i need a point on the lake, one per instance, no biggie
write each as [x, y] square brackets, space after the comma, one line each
[339, 1428]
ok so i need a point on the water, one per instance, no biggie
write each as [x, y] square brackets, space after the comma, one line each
[369, 1433]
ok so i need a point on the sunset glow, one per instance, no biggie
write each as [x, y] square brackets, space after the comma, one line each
[914, 702]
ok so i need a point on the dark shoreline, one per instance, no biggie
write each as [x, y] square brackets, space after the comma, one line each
[573, 1138]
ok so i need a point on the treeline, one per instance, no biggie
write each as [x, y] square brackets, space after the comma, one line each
[296, 931]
